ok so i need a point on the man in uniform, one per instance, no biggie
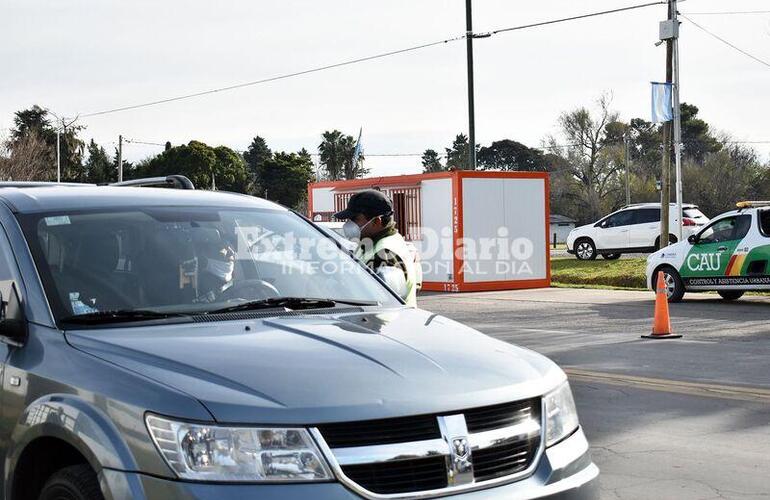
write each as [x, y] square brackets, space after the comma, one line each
[369, 220]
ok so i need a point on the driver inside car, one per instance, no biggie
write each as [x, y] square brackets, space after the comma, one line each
[215, 265]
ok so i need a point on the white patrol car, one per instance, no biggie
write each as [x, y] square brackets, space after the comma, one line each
[730, 256]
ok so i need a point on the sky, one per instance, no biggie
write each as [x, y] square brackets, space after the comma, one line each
[77, 57]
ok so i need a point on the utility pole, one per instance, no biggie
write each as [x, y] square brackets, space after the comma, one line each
[674, 15]
[471, 110]
[58, 154]
[626, 140]
[665, 188]
[120, 158]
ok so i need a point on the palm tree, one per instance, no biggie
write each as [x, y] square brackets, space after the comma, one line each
[336, 152]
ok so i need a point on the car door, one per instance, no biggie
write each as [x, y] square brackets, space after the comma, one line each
[712, 253]
[645, 228]
[8, 273]
[613, 231]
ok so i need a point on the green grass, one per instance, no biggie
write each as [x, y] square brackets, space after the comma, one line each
[599, 273]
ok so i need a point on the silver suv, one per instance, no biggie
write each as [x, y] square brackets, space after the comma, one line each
[172, 343]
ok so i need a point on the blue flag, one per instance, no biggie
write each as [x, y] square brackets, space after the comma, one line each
[662, 108]
[357, 151]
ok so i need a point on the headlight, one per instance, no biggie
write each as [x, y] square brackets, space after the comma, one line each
[212, 453]
[561, 414]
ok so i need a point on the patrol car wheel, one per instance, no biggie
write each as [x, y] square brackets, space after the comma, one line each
[585, 249]
[731, 294]
[674, 285]
[611, 256]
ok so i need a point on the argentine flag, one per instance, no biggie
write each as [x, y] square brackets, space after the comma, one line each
[357, 151]
[662, 108]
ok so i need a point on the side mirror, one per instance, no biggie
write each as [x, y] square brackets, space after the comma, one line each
[13, 324]
[692, 239]
[394, 278]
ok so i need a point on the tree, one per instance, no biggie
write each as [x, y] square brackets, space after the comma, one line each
[588, 158]
[200, 162]
[255, 155]
[285, 176]
[99, 167]
[431, 162]
[337, 152]
[26, 159]
[457, 155]
[696, 135]
[506, 154]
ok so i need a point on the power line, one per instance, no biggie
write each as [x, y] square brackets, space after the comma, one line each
[726, 13]
[575, 18]
[275, 78]
[363, 59]
[726, 42]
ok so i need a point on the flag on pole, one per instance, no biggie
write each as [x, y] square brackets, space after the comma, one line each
[662, 108]
[357, 151]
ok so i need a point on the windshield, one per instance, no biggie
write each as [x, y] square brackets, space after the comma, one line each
[189, 260]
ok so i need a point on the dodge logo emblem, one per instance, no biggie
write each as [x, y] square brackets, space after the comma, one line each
[460, 446]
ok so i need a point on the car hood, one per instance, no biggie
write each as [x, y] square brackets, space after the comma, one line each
[305, 369]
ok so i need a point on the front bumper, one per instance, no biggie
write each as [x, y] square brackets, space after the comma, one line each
[565, 471]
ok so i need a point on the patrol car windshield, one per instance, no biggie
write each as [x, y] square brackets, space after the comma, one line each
[189, 261]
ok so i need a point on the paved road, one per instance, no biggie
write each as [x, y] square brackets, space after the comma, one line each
[678, 419]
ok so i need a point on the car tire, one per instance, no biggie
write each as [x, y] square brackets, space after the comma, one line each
[671, 240]
[674, 284]
[611, 256]
[730, 294]
[77, 482]
[585, 249]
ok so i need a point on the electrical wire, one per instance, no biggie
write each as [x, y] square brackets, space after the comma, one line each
[714, 35]
[726, 13]
[363, 59]
[276, 78]
[575, 18]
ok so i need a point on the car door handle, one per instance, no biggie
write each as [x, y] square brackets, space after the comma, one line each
[624, 231]
[722, 249]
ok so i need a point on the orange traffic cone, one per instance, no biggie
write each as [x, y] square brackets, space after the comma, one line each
[661, 326]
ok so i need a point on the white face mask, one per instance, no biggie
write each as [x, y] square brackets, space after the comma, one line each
[222, 269]
[352, 230]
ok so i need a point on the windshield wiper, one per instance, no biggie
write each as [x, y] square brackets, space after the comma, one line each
[119, 316]
[292, 303]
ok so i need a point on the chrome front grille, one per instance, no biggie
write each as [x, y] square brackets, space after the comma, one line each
[440, 454]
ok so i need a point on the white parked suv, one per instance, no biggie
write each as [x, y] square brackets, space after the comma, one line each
[632, 229]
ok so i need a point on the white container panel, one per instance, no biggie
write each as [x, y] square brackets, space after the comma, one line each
[435, 245]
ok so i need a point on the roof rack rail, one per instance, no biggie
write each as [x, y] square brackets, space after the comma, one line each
[169, 181]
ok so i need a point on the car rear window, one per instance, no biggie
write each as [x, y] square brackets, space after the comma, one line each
[694, 213]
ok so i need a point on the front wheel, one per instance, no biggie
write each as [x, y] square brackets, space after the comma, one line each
[674, 284]
[77, 482]
[731, 294]
[585, 249]
[611, 256]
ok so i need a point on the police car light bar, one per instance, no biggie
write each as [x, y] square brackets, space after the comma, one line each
[752, 204]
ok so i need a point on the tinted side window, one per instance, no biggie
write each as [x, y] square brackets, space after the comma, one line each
[729, 229]
[620, 219]
[647, 216]
[7, 262]
[764, 222]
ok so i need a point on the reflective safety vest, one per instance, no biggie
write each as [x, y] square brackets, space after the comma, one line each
[394, 244]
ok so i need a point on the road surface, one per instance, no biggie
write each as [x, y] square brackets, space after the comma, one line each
[667, 419]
